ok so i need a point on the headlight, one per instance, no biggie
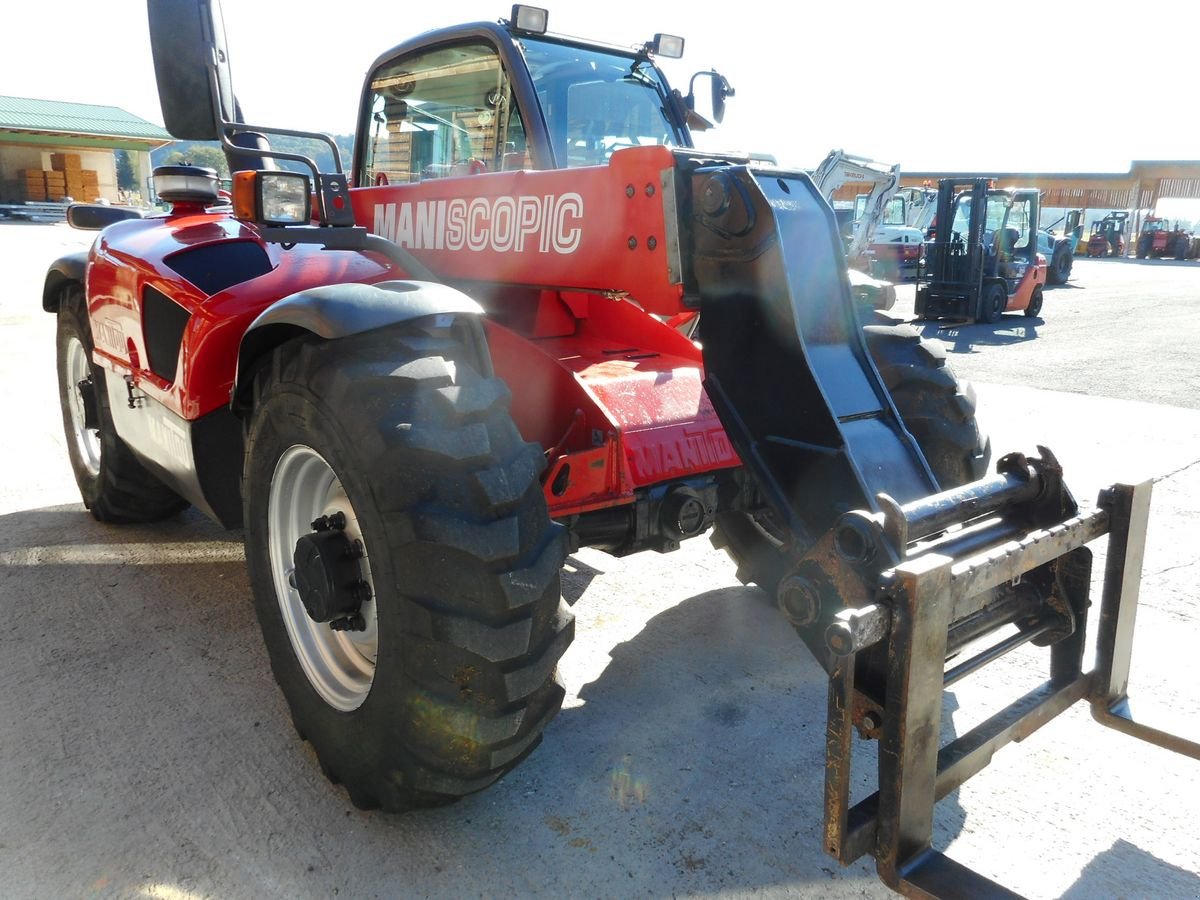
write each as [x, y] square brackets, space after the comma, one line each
[272, 198]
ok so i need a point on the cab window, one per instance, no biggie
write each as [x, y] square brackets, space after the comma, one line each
[596, 102]
[894, 213]
[1018, 220]
[441, 113]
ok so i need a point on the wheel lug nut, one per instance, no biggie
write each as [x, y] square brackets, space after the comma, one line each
[349, 623]
[334, 522]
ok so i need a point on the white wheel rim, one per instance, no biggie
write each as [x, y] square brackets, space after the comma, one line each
[87, 440]
[340, 665]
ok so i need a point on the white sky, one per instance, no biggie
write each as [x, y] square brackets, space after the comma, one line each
[929, 84]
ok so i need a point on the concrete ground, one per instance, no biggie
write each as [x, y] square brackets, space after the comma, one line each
[145, 751]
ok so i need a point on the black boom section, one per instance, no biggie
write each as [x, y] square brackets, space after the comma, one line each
[785, 361]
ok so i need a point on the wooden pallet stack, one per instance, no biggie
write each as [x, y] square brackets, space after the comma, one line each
[91, 185]
[66, 177]
[56, 184]
[71, 167]
[34, 182]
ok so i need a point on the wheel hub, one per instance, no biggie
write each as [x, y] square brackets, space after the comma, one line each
[327, 575]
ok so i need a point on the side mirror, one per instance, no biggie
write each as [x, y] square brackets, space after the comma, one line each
[95, 216]
[721, 89]
[191, 66]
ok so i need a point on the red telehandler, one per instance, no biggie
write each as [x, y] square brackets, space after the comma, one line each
[1158, 240]
[418, 385]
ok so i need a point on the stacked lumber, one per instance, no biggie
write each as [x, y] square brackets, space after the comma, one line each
[91, 186]
[34, 183]
[56, 185]
[70, 165]
[66, 177]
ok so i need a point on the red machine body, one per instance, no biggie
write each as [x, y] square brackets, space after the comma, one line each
[421, 399]
[1158, 240]
[599, 378]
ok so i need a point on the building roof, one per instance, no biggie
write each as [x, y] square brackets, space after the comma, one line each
[86, 119]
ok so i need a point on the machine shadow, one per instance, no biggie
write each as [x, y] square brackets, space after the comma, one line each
[1125, 870]
[966, 338]
[71, 524]
[693, 764]
[714, 714]
[576, 577]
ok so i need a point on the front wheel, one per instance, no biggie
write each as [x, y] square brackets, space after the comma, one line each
[1035, 303]
[404, 566]
[993, 302]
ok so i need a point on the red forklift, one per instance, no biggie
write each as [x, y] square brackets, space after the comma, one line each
[1107, 237]
[985, 263]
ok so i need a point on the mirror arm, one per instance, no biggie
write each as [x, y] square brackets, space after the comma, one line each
[214, 87]
[226, 127]
[691, 94]
[228, 146]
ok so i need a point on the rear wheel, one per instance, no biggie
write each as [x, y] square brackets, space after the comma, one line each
[1035, 303]
[114, 485]
[993, 302]
[1060, 265]
[404, 565]
[937, 409]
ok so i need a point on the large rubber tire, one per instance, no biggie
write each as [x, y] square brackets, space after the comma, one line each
[1034, 309]
[454, 678]
[937, 409]
[1059, 270]
[1182, 248]
[1143, 248]
[114, 485]
[992, 303]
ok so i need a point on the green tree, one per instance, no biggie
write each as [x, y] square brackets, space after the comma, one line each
[208, 155]
[126, 179]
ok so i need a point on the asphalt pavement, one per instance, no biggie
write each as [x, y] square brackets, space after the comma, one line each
[145, 751]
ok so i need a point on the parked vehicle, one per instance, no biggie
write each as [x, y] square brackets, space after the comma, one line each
[1158, 240]
[1107, 237]
[418, 385]
[874, 244]
[985, 261]
[1059, 248]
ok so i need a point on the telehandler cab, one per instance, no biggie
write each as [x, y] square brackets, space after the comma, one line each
[983, 259]
[418, 385]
